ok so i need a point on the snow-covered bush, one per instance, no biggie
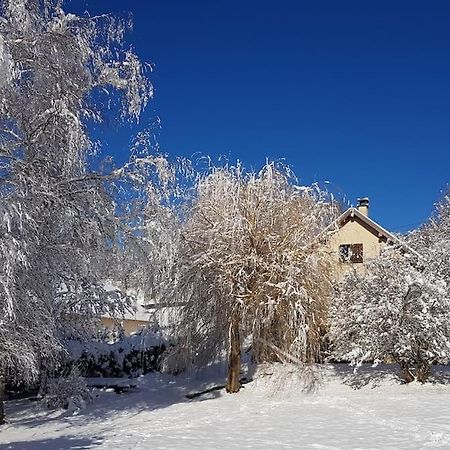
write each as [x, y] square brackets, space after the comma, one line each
[285, 378]
[68, 391]
[126, 356]
[432, 239]
[398, 309]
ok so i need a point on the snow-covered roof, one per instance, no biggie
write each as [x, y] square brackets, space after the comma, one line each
[140, 314]
[137, 311]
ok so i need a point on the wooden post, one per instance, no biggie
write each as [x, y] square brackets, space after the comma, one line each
[234, 354]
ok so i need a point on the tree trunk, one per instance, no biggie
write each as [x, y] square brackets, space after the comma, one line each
[408, 376]
[234, 354]
[423, 371]
[2, 395]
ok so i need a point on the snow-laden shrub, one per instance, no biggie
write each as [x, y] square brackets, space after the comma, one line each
[126, 356]
[398, 310]
[285, 378]
[68, 391]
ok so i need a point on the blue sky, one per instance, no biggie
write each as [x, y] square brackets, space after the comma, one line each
[352, 92]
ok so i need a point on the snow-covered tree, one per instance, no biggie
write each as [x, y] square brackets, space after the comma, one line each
[432, 239]
[399, 309]
[152, 226]
[58, 72]
[250, 265]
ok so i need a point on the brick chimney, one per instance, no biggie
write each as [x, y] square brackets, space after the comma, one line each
[363, 206]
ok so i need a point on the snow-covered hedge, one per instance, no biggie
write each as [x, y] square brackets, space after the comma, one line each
[397, 310]
[127, 356]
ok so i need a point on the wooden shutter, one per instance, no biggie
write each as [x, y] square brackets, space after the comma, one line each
[357, 253]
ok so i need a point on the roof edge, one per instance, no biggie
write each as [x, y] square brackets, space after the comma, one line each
[371, 223]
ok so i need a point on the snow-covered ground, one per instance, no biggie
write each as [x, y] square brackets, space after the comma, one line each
[370, 411]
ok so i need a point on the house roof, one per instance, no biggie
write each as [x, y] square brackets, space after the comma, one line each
[382, 232]
[353, 212]
[136, 311]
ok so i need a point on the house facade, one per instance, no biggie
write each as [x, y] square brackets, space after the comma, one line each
[134, 318]
[139, 314]
[130, 322]
[357, 239]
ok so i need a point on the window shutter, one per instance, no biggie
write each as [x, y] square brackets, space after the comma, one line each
[357, 253]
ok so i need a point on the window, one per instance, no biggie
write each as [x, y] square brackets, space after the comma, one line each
[344, 252]
[351, 253]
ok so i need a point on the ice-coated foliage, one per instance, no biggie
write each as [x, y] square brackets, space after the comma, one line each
[432, 240]
[58, 230]
[249, 253]
[397, 309]
[68, 391]
[152, 230]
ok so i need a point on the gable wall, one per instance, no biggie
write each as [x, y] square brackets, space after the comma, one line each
[354, 231]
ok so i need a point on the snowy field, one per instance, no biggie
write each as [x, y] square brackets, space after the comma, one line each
[367, 412]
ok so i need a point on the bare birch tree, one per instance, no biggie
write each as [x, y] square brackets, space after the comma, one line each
[58, 72]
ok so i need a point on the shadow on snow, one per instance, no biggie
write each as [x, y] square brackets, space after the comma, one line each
[373, 376]
[59, 443]
[153, 391]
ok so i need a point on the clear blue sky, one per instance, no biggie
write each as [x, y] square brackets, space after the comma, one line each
[354, 92]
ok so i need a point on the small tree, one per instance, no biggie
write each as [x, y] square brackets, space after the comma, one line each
[397, 309]
[250, 266]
